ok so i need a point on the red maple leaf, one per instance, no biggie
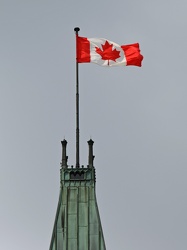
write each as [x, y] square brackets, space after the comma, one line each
[107, 53]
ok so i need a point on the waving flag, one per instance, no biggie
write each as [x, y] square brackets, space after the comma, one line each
[106, 53]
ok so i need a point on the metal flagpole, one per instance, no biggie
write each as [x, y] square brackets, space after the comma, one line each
[77, 103]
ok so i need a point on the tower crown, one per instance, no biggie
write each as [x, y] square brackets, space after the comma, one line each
[77, 224]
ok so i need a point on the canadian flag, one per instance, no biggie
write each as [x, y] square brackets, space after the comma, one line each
[106, 53]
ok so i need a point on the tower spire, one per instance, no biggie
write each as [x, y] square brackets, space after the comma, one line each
[77, 223]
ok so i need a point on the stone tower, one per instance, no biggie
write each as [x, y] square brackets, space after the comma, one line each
[77, 223]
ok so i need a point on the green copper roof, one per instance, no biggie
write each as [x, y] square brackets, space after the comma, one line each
[77, 224]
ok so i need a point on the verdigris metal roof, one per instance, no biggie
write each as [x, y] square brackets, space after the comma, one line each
[77, 224]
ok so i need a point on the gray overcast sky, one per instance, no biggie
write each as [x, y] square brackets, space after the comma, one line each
[136, 116]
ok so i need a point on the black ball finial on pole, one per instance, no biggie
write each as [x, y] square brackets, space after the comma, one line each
[76, 29]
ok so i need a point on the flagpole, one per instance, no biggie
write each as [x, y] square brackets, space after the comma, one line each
[77, 103]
